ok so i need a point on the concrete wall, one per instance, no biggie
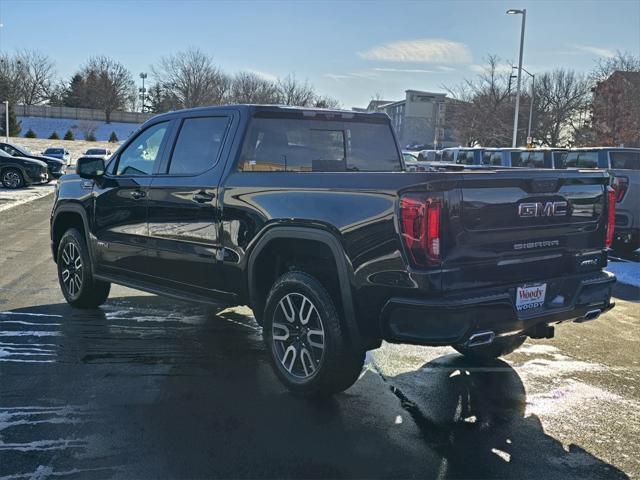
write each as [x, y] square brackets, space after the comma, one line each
[77, 113]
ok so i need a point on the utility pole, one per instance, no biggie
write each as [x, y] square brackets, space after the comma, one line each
[533, 93]
[522, 12]
[6, 121]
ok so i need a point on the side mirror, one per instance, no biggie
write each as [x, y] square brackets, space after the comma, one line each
[90, 168]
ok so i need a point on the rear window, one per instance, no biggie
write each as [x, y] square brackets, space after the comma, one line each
[96, 151]
[54, 150]
[527, 159]
[465, 157]
[447, 156]
[300, 145]
[625, 160]
[492, 158]
[581, 160]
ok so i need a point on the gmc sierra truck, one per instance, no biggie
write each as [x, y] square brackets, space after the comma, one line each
[308, 217]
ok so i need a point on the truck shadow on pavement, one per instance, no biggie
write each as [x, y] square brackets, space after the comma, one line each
[150, 388]
[472, 412]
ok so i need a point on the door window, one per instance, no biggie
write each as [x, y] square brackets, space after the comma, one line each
[581, 160]
[625, 160]
[141, 154]
[198, 145]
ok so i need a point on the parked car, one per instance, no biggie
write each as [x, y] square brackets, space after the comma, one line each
[430, 156]
[522, 157]
[624, 166]
[58, 152]
[412, 164]
[57, 167]
[98, 153]
[16, 172]
[306, 216]
[463, 156]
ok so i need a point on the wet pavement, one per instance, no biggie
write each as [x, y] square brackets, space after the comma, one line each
[146, 387]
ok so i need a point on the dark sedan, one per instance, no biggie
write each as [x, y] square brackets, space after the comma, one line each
[16, 172]
[57, 167]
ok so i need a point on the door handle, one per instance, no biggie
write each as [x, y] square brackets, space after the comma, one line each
[137, 194]
[202, 197]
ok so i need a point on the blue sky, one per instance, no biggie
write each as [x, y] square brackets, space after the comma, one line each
[349, 50]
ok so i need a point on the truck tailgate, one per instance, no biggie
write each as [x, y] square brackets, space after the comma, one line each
[523, 225]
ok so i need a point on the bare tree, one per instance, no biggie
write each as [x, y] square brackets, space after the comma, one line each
[108, 85]
[561, 98]
[11, 76]
[293, 92]
[623, 61]
[248, 87]
[38, 74]
[482, 112]
[325, 101]
[192, 78]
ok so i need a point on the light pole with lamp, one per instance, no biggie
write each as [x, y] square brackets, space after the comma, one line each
[143, 90]
[522, 12]
[533, 86]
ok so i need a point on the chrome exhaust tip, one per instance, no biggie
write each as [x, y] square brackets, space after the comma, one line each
[590, 315]
[481, 338]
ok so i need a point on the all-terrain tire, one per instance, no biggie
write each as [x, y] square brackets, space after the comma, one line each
[321, 371]
[75, 273]
[499, 347]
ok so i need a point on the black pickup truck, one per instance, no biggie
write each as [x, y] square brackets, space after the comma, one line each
[308, 217]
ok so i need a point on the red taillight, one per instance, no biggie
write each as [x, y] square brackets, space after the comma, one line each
[620, 185]
[611, 216]
[420, 228]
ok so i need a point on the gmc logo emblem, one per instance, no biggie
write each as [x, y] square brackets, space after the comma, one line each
[540, 209]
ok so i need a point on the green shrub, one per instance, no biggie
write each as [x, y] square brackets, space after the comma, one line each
[113, 138]
[54, 136]
[30, 134]
[69, 135]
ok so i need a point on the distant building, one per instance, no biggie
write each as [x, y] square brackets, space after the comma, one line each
[616, 110]
[420, 119]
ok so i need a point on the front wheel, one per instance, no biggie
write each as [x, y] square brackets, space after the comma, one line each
[75, 273]
[305, 338]
[12, 178]
[499, 347]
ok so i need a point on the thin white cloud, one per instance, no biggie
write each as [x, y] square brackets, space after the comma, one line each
[405, 70]
[425, 50]
[442, 68]
[265, 75]
[480, 68]
[598, 51]
[336, 76]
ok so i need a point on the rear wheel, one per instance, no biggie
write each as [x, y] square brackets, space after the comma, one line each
[499, 347]
[305, 338]
[75, 273]
[12, 178]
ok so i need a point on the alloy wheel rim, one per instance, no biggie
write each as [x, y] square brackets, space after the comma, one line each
[298, 336]
[71, 269]
[12, 179]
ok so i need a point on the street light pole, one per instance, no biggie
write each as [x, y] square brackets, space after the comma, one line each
[6, 121]
[533, 94]
[522, 12]
[143, 91]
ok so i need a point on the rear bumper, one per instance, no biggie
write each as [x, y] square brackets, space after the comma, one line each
[453, 319]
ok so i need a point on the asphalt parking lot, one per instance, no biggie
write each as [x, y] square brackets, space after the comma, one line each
[151, 388]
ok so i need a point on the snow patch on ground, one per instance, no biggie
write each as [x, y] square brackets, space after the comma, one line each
[626, 272]
[12, 198]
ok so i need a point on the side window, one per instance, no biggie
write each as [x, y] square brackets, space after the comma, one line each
[516, 159]
[198, 145]
[294, 145]
[141, 154]
[625, 160]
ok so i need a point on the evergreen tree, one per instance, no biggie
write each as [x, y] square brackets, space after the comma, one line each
[69, 135]
[14, 125]
[76, 93]
[54, 136]
[113, 138]
[30, 134]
